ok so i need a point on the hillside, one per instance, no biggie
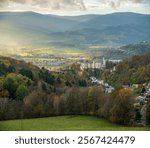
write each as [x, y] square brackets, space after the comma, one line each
[127, 51]
[36, 30]
[113, 29]
[135, 70]
[29, 28]
[27, 91]
[9, 66]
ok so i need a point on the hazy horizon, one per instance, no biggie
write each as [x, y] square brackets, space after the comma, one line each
[71, 15]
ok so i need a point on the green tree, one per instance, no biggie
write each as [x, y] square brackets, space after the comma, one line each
[26, 72]
[67, 83]
[82, 83]
[11, 85]
[47, 76]
[21, 92]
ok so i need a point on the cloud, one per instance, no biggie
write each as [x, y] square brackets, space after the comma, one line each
[61, 4]
[69, 7]
[118, 3]
[46, 4]
[137, 1]
[114, 5]
[3, 3]
[20, 1]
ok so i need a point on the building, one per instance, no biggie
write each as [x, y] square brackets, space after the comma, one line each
[115, 61]
[94, 64]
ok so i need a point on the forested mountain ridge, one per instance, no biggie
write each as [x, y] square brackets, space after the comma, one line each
[33, 29]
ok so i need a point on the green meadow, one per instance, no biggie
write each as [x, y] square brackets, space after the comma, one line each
[65, 123]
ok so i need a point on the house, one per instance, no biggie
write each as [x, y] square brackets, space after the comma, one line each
[109, 90]
[115, 61]
[141, 99]
[106, 85]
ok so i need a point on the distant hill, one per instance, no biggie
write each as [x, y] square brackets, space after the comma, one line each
[128, 51]
[116, 19]
[135, 49]
[29, 28]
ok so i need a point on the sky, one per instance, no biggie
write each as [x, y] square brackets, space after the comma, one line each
[76, 7]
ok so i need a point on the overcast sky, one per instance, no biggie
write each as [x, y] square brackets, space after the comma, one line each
[76, 7]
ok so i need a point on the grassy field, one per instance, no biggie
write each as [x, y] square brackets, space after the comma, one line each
[65, 123]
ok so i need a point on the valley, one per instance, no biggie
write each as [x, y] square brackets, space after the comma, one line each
[90, 69]
[55, 42]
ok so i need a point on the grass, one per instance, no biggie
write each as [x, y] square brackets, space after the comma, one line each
[65, 123]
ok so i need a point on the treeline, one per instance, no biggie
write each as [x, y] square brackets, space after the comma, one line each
[117, 108]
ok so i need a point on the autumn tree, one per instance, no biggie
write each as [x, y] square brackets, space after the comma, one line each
[3, 107]
[122, 111]
[95, 95]
[106, 105]
[73, 101]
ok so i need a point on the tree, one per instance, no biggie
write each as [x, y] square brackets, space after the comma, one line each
[148, 113]
[82, 83]
[59, 80]
[73, 101]
[38, 104]
[11, 85]
[122, 111]
[95, 96]
[67, 83]
[21, 92]
[106, 105]
[3, 92]
[26, 72]
[3, 107]
[47, 77]
[63, 105]
[39, 110]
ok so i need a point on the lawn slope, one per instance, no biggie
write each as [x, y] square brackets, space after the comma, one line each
[65, 123]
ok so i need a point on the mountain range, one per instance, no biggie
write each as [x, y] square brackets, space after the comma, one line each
[82, 32]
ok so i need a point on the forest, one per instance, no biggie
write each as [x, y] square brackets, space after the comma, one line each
[135, 70]
[27, 91]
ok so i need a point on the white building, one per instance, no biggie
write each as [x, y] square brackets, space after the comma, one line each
[94, 64]
[115, 61]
